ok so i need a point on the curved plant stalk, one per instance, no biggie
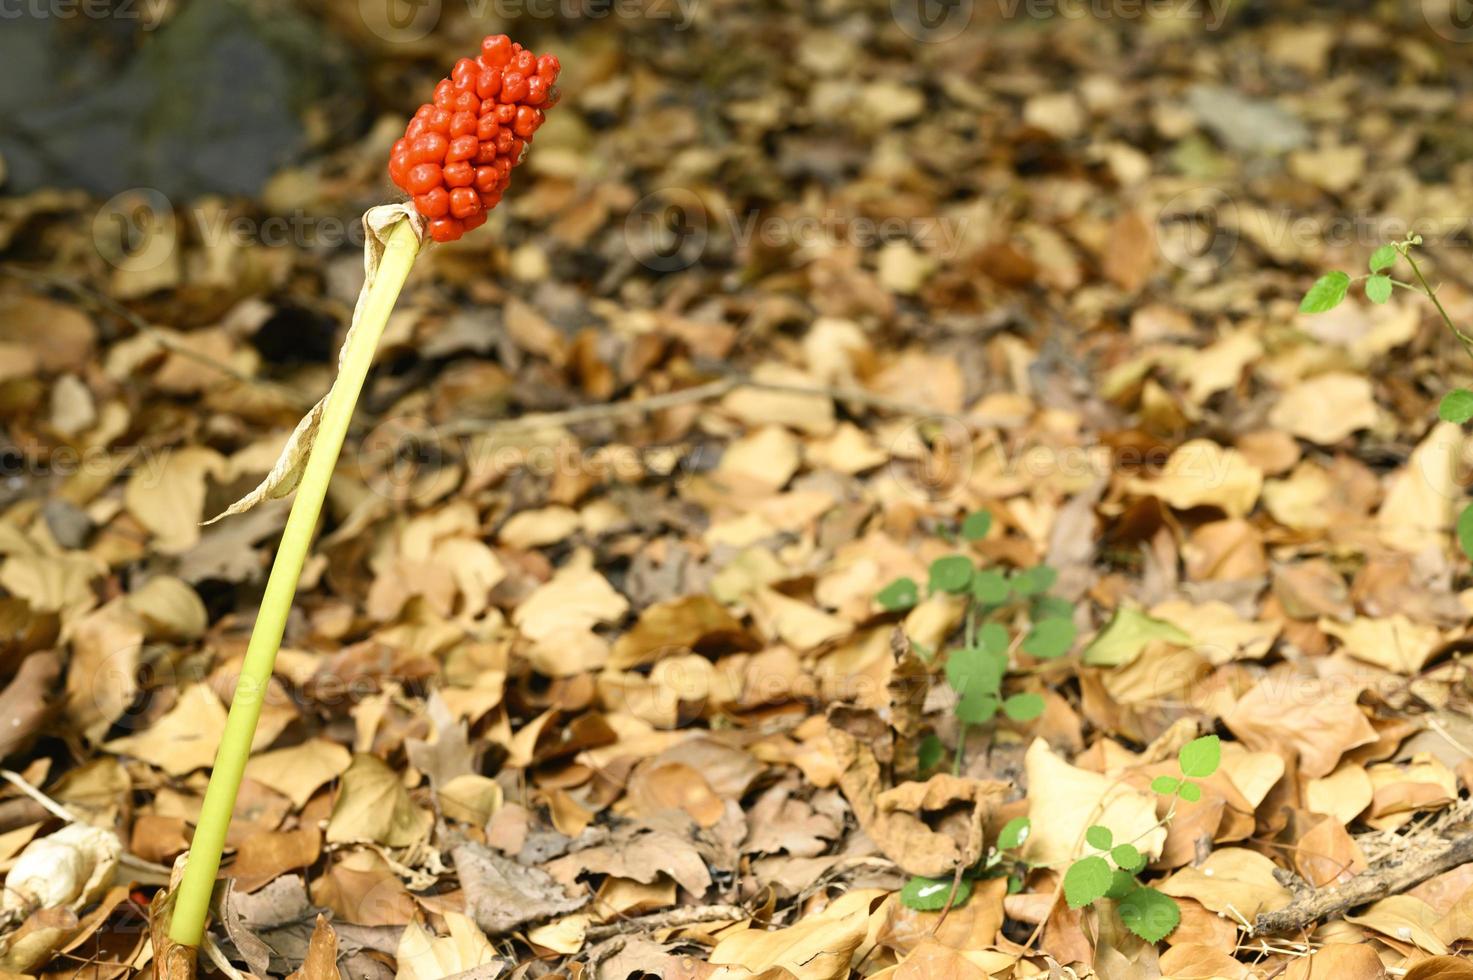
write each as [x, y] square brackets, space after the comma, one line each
[193, 897]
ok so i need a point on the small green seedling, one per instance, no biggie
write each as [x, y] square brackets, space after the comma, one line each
[995, 602]
[1005, 613]
[1329, 291]
[1111, 872]
[935, 894]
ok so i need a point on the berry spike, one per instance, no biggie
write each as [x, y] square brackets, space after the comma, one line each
[457, 154]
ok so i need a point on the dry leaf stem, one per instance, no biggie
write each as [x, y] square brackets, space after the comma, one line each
[191, 908]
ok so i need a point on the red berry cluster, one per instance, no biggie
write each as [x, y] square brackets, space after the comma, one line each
[456, 156]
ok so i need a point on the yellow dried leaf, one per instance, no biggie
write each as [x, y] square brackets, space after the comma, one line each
[374, 806]
[791, 621]
[765, 459]
[183, 740]
[537, 528]
[1343, 794]
[1232, 880]
[1326, 409]
[169, 499]
[1200, 473]
[1063, 800]
[577, 597]
[423, 956]
[815, 948]
[1394, 642]
[297, 772]
[1405, 919]
[1422, 496]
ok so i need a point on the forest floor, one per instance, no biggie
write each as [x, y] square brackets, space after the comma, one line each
[819, 365]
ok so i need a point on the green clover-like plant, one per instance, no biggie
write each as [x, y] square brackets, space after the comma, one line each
[1112, 872]
[1004, 612]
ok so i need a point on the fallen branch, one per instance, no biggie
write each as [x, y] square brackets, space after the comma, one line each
[1396, 874]
[686, 396]
[689, 915]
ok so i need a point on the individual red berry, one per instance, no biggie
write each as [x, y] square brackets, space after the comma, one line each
[459, 174]
[524, 62]
[439, 120]
[444, 92]
[465, 73]
[513, 87]
[463, 124]
[435, 204]
[446, 229]
[548, 68]
[474, 221]
[486, 178]
[423, 178]
[536, 91]
[488, 83]
[486, 128]
[526, 122]
[429, 148]
[464, 202]
[462, 148]
[496, 51]
[505, 113]
[466, 102]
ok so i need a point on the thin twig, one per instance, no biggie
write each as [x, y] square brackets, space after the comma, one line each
[956, 883]
[689, 915]
[593, 413]
[50, 805]
[674, 399]
[57, 810]
[105, 303]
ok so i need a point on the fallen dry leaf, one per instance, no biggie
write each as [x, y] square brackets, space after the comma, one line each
[1063, 800]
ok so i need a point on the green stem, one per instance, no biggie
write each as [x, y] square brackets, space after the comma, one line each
[192, 905]
[1463, 338]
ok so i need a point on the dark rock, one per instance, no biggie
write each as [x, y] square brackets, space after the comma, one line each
[210, 102]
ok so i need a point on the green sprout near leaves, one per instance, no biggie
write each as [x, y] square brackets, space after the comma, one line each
[977, 669]
[936, 894]
[1111, 872]
[997, 603]
[1329, 291]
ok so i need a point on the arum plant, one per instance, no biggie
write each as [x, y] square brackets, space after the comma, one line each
[455, 161]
